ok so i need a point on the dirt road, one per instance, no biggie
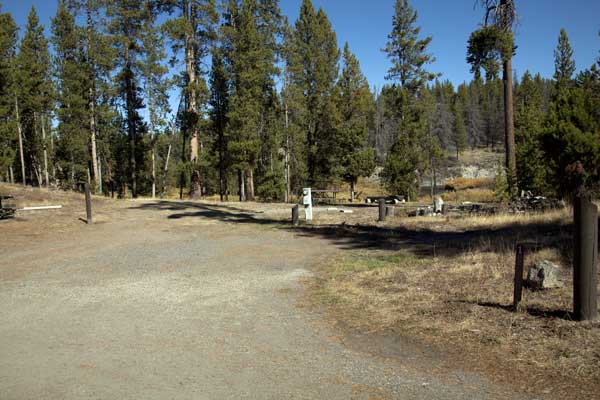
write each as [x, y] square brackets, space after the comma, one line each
[180, 301]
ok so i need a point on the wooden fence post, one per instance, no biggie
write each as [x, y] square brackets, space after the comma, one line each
[295, 215]
[585, 249]
[381, 210]
[518, 290]
[88, 204]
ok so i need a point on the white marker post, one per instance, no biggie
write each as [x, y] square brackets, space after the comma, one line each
[307, 201]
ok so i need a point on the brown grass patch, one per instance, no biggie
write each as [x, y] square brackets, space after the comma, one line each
[453, 288]
[469, 183]
[472, 195]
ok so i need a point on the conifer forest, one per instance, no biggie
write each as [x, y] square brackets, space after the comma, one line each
[228, 98]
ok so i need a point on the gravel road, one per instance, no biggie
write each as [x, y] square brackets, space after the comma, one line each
[162, 302]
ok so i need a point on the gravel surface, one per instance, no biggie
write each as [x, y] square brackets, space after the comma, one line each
[172, 302]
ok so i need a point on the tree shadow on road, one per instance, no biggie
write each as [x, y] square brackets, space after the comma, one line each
[224, 213]
[423, 242]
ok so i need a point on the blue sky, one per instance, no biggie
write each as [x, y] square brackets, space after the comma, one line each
[365, 24]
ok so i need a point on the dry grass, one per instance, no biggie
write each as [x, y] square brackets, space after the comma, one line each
[472, 195]
[469, 183]
[453, 287]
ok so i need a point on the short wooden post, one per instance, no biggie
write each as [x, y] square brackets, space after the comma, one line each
[295, 215]
[389, 211]
[88, 203]
[585, 257]
[381, 210]
[518, 291]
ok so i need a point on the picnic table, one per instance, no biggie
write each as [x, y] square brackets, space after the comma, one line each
[324, 196]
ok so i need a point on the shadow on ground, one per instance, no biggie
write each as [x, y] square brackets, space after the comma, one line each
[419, 241]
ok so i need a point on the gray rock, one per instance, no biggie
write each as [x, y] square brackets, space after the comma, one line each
[544, 275]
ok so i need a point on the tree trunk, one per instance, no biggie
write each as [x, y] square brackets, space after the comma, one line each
[99, 175]
[12, 174]
[286, 173]
[46, 177]
[509, 129]
[131, 128]
[21, 155]
[190, 66]
[92, 97]
[242, 185]
[352, 187]
[72, 171]
[153, 142]
[53, 158]
[250, 184]
[164, 181]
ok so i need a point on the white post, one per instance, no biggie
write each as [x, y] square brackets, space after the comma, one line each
[307, 201]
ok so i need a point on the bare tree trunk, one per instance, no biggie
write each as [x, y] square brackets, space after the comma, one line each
[12, 174]
[53, 158]
[92, 96]
[190, 66]
[20, 133]
[509, 128]
[99, 175]
[153, 144]
[288, 182]
[46, 177]
[166, 170]
[242, 191]
[352, 184]
[131, 127]
[250, 180]
[72, 171]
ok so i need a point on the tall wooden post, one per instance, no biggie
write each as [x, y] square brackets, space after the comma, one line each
[585, 259]
[518, 288]
[88, 203]
[295, 215]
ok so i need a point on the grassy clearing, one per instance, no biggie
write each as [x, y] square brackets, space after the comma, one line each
[450, 285]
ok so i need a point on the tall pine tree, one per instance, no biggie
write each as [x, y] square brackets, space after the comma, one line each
[356, 106]
[313, 72]
[8, 127]
[408, 54]
[34, 96]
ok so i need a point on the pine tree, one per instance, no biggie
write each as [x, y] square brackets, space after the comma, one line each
[488, 46]
[219, 108]
[98, 65]
[355, 103]
[294, 138]
[250, 32]
[443, 118]
[34, 95]
[529, 123]
[314, 71]
[156, 85]
[409, 57]
[406, 51]
[460, 131]
[8, 139]
[571, 141]
[192, 31]
[564, 65]
[126, 19]
[72, 97]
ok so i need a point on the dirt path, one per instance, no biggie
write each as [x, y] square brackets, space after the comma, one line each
[172, 301]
